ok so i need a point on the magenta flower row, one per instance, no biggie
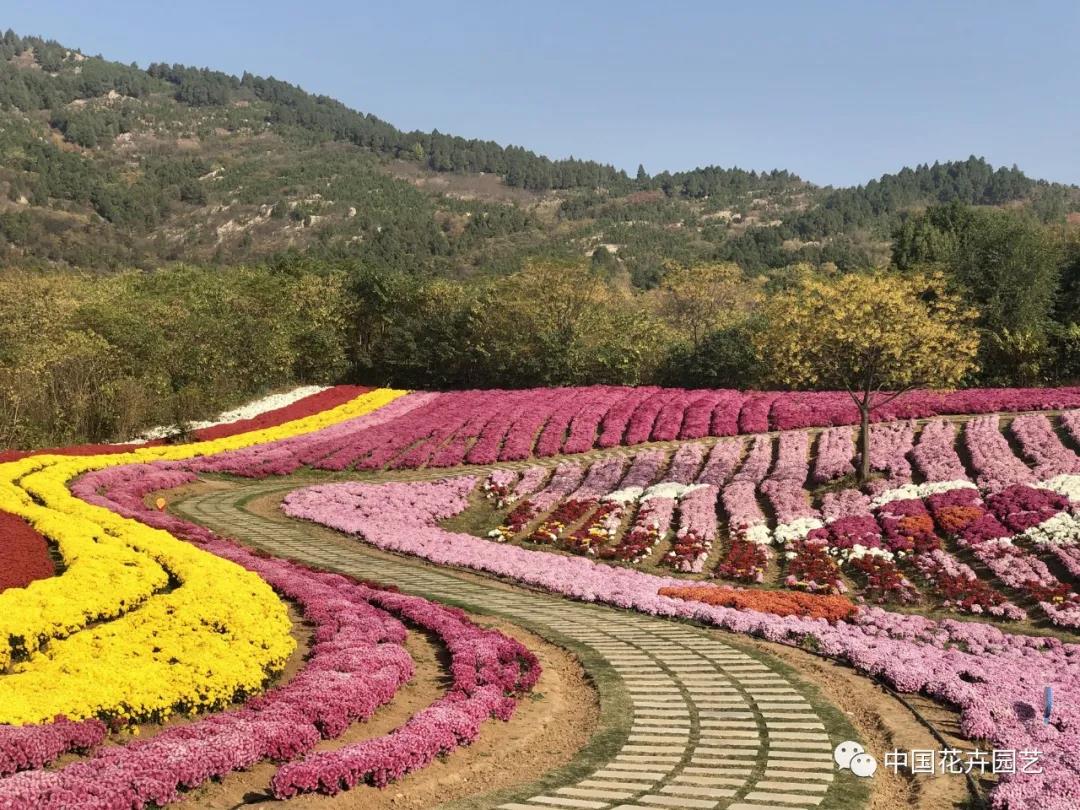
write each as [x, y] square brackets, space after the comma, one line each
[24, 747]
[482, 427]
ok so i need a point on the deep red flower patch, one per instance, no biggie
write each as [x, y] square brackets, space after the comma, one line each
[24, 554]
[308, 406]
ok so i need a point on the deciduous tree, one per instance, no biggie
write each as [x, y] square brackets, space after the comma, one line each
[873, 335]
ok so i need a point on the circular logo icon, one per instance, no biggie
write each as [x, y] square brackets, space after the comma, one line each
[845, 751]
[863, 765]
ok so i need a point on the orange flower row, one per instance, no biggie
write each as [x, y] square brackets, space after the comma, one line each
[780, 603]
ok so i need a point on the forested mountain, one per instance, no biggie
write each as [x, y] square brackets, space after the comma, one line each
[107, 166]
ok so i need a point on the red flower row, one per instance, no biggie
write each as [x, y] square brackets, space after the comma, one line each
[24, 554]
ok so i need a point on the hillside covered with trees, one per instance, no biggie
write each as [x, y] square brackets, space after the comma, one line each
[108, 166]
[286, 238]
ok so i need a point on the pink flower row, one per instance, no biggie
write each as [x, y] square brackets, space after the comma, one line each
[785, 486]
[697, 530]
[1040, 443]
[995, 464]
[835, 451]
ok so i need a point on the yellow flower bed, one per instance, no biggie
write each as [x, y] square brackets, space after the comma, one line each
[219, 632]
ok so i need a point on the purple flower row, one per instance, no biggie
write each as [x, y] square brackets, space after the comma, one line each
[785, 487]
[644, 469]
[603, 476]
[889, 448]
[995, 464]
[1070, 420]
[685, 463]
[721, 462]
[697, 530]
[1041, 444]
[935, 454]
[740, 496]
[835, 452]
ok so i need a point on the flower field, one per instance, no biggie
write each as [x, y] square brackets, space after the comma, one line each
[151, 617]
[119, 617]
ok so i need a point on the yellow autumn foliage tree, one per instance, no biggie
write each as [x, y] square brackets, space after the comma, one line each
[875, 336]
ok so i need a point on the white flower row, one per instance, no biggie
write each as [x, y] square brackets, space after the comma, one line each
[758, 534]
[918, 491]
[796, 530]
[1067, 485]
[1062, 529]
[247, 411]
[858, 551]
[665, 489]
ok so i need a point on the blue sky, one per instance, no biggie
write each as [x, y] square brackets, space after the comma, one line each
[838, 92]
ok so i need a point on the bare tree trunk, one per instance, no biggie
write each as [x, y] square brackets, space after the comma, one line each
[864, 442]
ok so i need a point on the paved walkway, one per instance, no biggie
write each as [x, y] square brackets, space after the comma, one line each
[712, 727]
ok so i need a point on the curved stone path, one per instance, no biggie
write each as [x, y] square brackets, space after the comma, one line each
[711, 726]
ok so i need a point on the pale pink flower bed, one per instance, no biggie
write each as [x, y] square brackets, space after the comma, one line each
[996, 679]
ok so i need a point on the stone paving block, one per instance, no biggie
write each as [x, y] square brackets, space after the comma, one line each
[616, 784]
[595, 793]
[801, 764]
[631, 774]
[653, 748]
[800, 745]
[782, 798]
[646, 769]
[805, 787]
[699, 791]
[783, 724]
[561, 801]
[778, 734]
[690, 779]
[777, 773]
[731, 733]
[653, 739]
[673, 801]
